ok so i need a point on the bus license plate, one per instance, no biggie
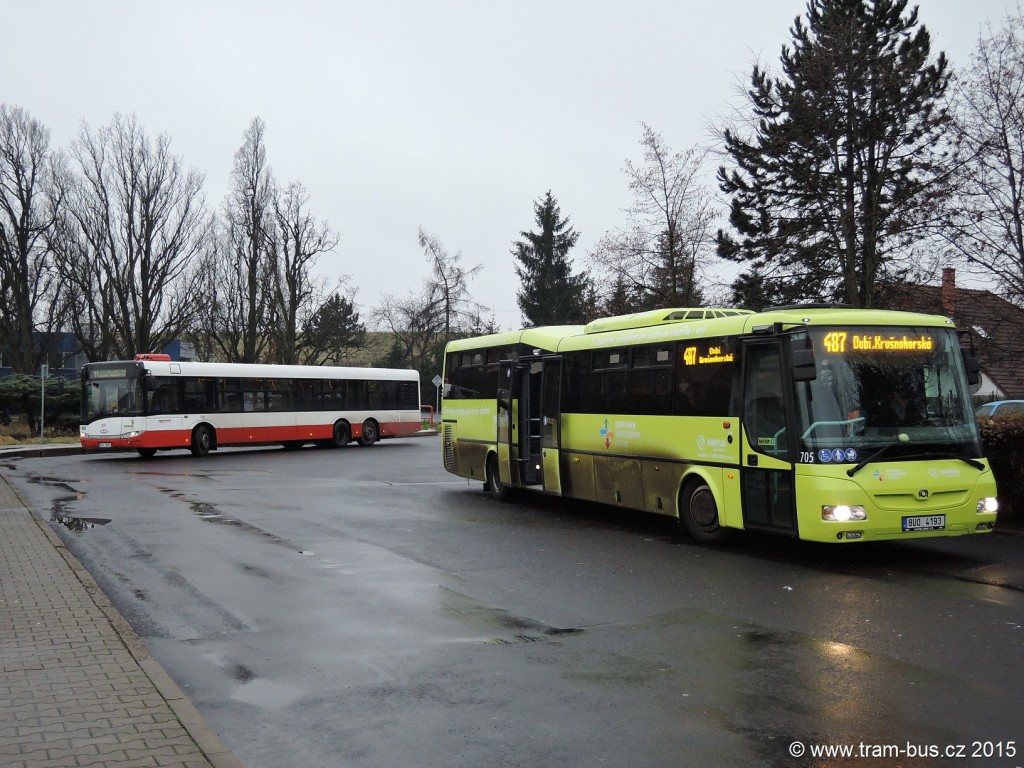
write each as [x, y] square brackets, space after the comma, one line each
[105, 445]
[924, 523]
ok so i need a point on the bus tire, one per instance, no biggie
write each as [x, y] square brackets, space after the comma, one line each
[341, 434]
[146, 453]
[202, 440]
[698, 513]
[371, 433]
[494, 486]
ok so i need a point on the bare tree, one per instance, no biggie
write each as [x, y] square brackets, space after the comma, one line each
[28, 274]
[218, 331]
[426, 320]
[300, 240]
[987, 220]
[259, 287]
[656, 259]
[416, 327]
[135, 224]
[449, 283]
[238, 281]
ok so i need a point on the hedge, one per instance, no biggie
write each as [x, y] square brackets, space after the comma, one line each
[1004, 448]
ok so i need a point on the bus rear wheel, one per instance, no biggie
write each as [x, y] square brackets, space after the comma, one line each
[341, 434]
[698, 513]
[371, 433]
[202, 440]
[494, 486]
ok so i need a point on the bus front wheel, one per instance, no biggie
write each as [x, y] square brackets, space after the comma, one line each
[146, 453]
[202, 440]
[371, 433]
[698, 513]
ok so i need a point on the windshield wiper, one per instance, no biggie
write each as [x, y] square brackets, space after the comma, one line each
[951, 455]
[877, 454]
[924, 455]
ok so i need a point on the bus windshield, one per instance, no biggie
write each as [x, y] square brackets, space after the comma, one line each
[111, 397]
[901, 387]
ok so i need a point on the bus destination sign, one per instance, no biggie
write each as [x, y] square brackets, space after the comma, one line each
[108, 373]
[841, 342]
[715, 354]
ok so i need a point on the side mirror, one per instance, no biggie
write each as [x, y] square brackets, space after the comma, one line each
[973, 369]
[505, 399]
[971, 364]
[802, 361]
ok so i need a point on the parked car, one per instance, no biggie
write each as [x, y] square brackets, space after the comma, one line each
[1000, 408]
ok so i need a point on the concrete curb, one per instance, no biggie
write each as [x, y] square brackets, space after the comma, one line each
[205, 738]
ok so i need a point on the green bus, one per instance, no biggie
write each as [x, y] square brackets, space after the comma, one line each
[820, 422]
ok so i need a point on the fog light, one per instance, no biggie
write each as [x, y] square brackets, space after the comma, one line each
[843, 513]
[988, 505]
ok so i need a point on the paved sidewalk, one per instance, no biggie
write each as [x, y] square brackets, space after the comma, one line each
[77, 686]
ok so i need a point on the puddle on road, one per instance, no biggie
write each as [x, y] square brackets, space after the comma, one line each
[56, 482]
[208, 512]
[60, 515]
[485, 620]
[267, 694]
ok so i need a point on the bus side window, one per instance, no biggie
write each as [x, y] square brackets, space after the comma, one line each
[199, 395]
[764, 409]
[165, 399]
[230, 395]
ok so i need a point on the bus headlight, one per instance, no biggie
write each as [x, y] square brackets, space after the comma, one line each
[843, 513]
[130, 435]
[988, 505]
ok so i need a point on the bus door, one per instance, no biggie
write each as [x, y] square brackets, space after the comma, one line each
[529, 439]
[163, 404]
[550, 423]
[767, 472]
[507, 406]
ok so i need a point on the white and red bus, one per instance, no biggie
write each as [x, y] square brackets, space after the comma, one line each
[153, 403]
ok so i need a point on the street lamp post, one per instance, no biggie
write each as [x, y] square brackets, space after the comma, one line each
[44, 371]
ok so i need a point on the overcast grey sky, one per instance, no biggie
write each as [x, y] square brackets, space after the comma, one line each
[450, 115]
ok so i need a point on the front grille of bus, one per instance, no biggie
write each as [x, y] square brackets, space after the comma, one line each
[449, 448]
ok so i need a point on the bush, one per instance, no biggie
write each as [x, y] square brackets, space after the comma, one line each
[20, 401]
[1004, 448]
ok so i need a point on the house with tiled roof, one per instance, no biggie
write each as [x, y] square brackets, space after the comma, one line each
[996, 326]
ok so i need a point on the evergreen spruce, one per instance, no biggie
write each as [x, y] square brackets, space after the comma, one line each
[549, 294]
[837, 183]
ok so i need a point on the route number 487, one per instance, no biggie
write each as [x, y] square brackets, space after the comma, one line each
[835, 342]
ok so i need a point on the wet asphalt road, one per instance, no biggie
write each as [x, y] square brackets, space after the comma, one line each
[361, 607]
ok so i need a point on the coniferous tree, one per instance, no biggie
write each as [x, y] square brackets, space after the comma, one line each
[550, 294]
[841, 175]
[332, 333]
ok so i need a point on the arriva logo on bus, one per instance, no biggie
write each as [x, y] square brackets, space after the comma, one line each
[710, 447]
